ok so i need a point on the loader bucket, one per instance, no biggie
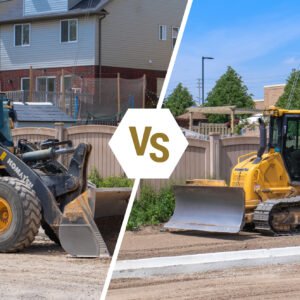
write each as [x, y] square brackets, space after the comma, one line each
[80, 231]
[208, 208]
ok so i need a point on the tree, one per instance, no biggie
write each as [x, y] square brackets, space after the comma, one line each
[229, 90]
[179, 100]
[291, 96]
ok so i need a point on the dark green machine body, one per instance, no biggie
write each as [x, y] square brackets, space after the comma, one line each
[57, 197]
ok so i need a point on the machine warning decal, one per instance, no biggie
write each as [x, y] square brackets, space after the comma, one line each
[3, 155]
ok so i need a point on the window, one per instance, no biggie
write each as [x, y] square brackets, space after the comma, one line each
[25, 84]
[22, 35]
[175, 31]
[67, 82]
[69, 29]
[162, 32]
[25, 87]
[292, 147]
[46, 87]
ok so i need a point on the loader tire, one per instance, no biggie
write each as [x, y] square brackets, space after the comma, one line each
[50, 233]
[19, 200]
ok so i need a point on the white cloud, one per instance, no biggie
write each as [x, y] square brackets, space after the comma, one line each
[292, 61]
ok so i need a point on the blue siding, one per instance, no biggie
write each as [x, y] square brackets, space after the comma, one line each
[46, 50]
[34, 7]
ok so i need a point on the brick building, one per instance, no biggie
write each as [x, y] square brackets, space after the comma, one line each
[271, 96]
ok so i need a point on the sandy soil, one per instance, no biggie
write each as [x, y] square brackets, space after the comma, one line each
[151, 242]
[269, 282]
[44, 271]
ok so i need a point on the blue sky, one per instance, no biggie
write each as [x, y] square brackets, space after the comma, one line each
[259, 39]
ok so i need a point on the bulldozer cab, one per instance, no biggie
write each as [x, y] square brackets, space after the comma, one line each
[285, 138]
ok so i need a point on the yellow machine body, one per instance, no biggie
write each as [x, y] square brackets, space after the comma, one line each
[213, 205]
[265, 180]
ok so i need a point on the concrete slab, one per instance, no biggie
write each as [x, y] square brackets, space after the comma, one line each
[164, 266]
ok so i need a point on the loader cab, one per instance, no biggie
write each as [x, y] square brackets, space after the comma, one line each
[285, 138]
[6, 118]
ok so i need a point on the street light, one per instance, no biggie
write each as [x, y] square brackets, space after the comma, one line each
[203, 58]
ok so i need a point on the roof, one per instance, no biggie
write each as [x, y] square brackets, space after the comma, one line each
[223, 110]
[196, 116]
[12, 11]
[87, 4]
[275, 85]
[40, 113]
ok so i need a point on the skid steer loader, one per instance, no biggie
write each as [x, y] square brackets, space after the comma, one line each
[263, 192]
[35, 189]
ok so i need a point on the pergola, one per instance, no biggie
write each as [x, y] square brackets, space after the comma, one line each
[223, 110]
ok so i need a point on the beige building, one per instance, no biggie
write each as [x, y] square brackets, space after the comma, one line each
[271, 96]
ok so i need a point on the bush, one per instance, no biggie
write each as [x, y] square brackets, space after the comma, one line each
[109, 182]
[152, 208]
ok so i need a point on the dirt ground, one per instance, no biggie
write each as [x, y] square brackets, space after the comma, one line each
[151, 242]
[268, 282]
[44, 271]
[265, 282]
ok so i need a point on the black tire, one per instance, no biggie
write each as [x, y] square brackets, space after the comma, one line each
[26, 212]
[50, 233]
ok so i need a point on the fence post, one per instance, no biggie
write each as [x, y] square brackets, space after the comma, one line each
[190, 121]
[30, 85]
[119, 95]
[144, 90]
[232, 122]
[214, 161]
[63, 90]
[59, 135]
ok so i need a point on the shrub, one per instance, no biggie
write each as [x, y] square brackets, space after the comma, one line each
[151, 208]
[109, 182]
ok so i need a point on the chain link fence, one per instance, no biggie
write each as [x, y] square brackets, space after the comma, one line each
[84, 98]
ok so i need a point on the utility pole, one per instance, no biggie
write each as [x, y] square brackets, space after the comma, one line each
[203, 58]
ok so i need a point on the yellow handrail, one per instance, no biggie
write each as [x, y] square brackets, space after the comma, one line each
[245, 155]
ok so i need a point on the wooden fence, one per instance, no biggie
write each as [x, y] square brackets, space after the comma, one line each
[208, 128]
[213, 158]
[98, 136]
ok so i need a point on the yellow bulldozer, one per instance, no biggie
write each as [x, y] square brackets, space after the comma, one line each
[264, 189]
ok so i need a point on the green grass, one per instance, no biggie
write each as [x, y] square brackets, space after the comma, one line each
[152, 208]
[109, 182]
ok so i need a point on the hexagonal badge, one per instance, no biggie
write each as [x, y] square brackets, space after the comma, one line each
[148, 143]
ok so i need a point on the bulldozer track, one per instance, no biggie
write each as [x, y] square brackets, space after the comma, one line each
[265, 212]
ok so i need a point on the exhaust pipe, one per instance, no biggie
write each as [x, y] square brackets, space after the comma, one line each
[262, 140]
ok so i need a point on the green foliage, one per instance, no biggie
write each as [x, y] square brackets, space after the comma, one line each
[293, 79]
[151, 208]
[229, 90]
[179, 100]
[109, 182]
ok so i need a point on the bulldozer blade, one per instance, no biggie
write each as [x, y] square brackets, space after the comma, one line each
[208, 208]
[78, 233]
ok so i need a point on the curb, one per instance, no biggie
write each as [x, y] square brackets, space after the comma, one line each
[164, 266]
